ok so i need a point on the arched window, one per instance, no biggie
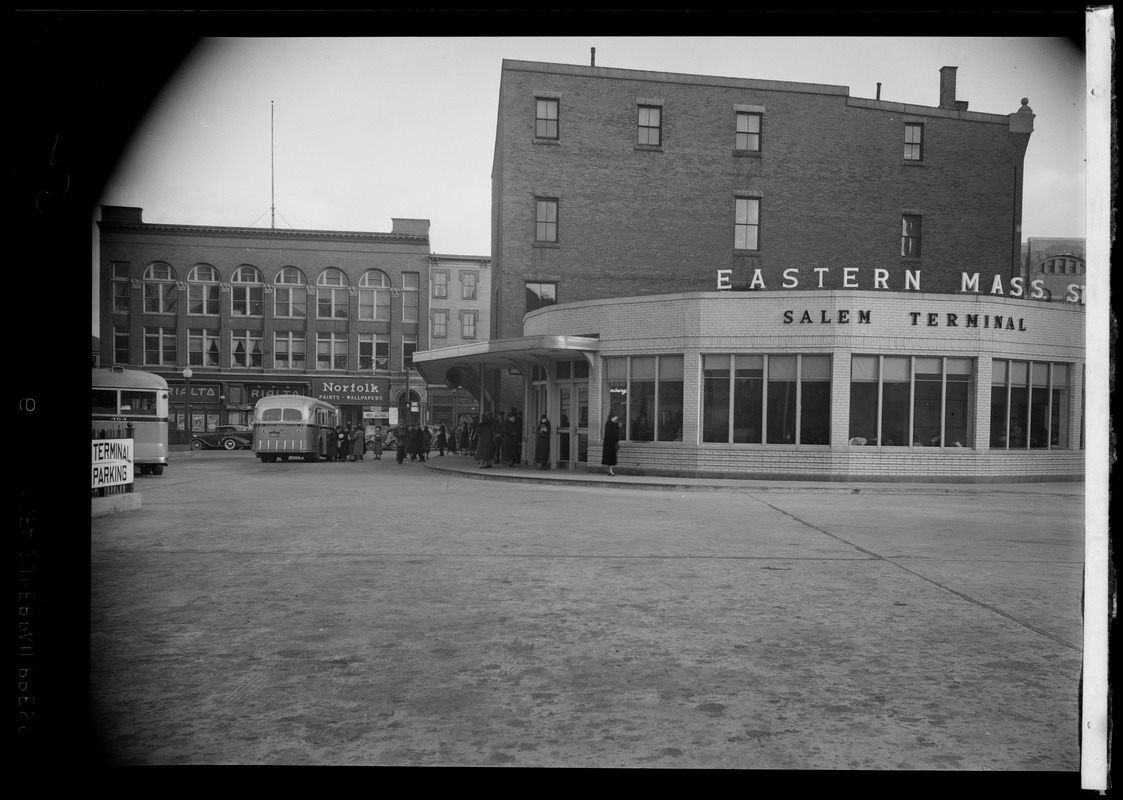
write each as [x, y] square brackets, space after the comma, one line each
[202, 290]
[331, 294]
[159, 289]
[374, 295]
[246, 292]
[290, 294]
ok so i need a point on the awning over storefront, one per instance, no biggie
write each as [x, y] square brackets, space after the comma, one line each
[461, 365]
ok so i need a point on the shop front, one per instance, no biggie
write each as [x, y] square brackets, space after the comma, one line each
[809, 385]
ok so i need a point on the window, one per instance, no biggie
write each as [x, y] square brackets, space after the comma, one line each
[411, 296]
[546, 118]
[374, 351]
[245, 348]
[746, 225]
[467, 324]
[290, 294]
[646, 391]
[289, 350]
[440, 284]
[331, 294]
[748, 132]
[120, 283]
[202, 348]
[766, 399]
[1070, 265]
[159, 289]
[374, 296]
[546, 220]
[468, 283]
[159, 347]
[202, 290]
[650, 126]
[120, 345]
[910, 236]
[539, 295]
[246, 293]
[440, 324]
[914, 142]
[925, 401]
[409, 347]
[331, 351]
[1029, 406]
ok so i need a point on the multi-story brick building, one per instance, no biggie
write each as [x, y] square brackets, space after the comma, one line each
[251, 312]
[771, 279]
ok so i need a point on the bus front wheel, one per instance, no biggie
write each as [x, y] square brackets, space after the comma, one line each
[157, 469]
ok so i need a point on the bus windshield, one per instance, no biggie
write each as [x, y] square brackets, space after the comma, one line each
[282, 415]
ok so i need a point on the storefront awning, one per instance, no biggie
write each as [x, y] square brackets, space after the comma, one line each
[460, 365]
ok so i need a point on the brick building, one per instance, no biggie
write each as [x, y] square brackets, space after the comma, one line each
[770, 279]
[335, 315]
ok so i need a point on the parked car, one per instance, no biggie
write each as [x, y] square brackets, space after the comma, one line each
[227, 437]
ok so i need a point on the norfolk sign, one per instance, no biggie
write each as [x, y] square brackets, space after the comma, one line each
[368, 391]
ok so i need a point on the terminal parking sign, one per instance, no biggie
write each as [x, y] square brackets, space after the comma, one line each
[112, 461]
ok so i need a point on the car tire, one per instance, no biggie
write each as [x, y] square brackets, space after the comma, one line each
[158, 469]
[196, 444]
[229, 444]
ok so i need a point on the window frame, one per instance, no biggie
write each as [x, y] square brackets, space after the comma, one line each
[917, 146]
[741, 145]
[910, 241]
[249, 293]
[290, 295]
[547, 121]
[210, 344]
[528, 291]
[164, 299]
[743, 228]
[336, 350]
[468, 323]
[248, 338]
[290, 339]
[645, 130]
[547, 219]
[439, 322]
[335, 296]
[166, 349]
[375, 297]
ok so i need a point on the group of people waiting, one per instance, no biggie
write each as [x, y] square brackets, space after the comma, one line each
[346, 443]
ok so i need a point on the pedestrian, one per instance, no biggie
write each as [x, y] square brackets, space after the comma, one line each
[485, 442]
[611, 442]
[401, 442]
[332, 443]
[464, 436]
[426, 442]
[358, 442]
[376, 443]
[512, 439]
[542, 443]
[442, 439]
[345, 443]
[416, 442]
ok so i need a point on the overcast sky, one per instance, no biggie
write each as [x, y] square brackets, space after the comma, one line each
[361, 130]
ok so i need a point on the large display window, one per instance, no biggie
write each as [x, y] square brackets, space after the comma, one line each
[922, 401]
[766, 399]
[1029, 407]
[646, 392]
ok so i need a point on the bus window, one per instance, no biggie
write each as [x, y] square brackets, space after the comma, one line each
[271, 415]
[292, 415]
[138, 402]
[105, 401]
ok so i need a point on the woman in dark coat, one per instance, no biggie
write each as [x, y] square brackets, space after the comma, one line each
[512, 440]
[542, 443]
[442, 439]
[485, 442]
[416, 443]
[376, 443]
[332, 444]
[611, 443]
[345, 443]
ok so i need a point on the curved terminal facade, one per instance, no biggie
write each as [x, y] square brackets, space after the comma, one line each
[772, 280]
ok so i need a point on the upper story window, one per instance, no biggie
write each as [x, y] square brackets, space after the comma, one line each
[159, 289]
[541, 294]
[1063, 265]
[468, 284]
[440, 323]
[246, 292]
[202, 290]
[409, 347]
[746, 224]
[159, 347]
[910, 236]
[649, 127]
[374, 295]
[546, 118]
[411, 296]
[467, 324]
[331, 294]
[202, 348]
[748, 132]
[290, 294]
[546, 219]
[440, 283]
[914, 141]
[120, 286]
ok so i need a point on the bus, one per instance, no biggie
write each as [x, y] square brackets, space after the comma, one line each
[292, 426]
[125, 398]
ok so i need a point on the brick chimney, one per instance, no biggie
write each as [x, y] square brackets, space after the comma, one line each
[947, 87]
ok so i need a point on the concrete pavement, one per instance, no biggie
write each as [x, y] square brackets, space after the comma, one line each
[414, 615]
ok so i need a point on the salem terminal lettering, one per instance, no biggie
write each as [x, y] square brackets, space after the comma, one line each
[931, 319]
[969, 282]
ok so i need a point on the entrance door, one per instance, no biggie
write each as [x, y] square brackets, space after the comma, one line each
[573, 423]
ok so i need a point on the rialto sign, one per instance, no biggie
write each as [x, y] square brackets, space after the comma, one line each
[969, 282]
